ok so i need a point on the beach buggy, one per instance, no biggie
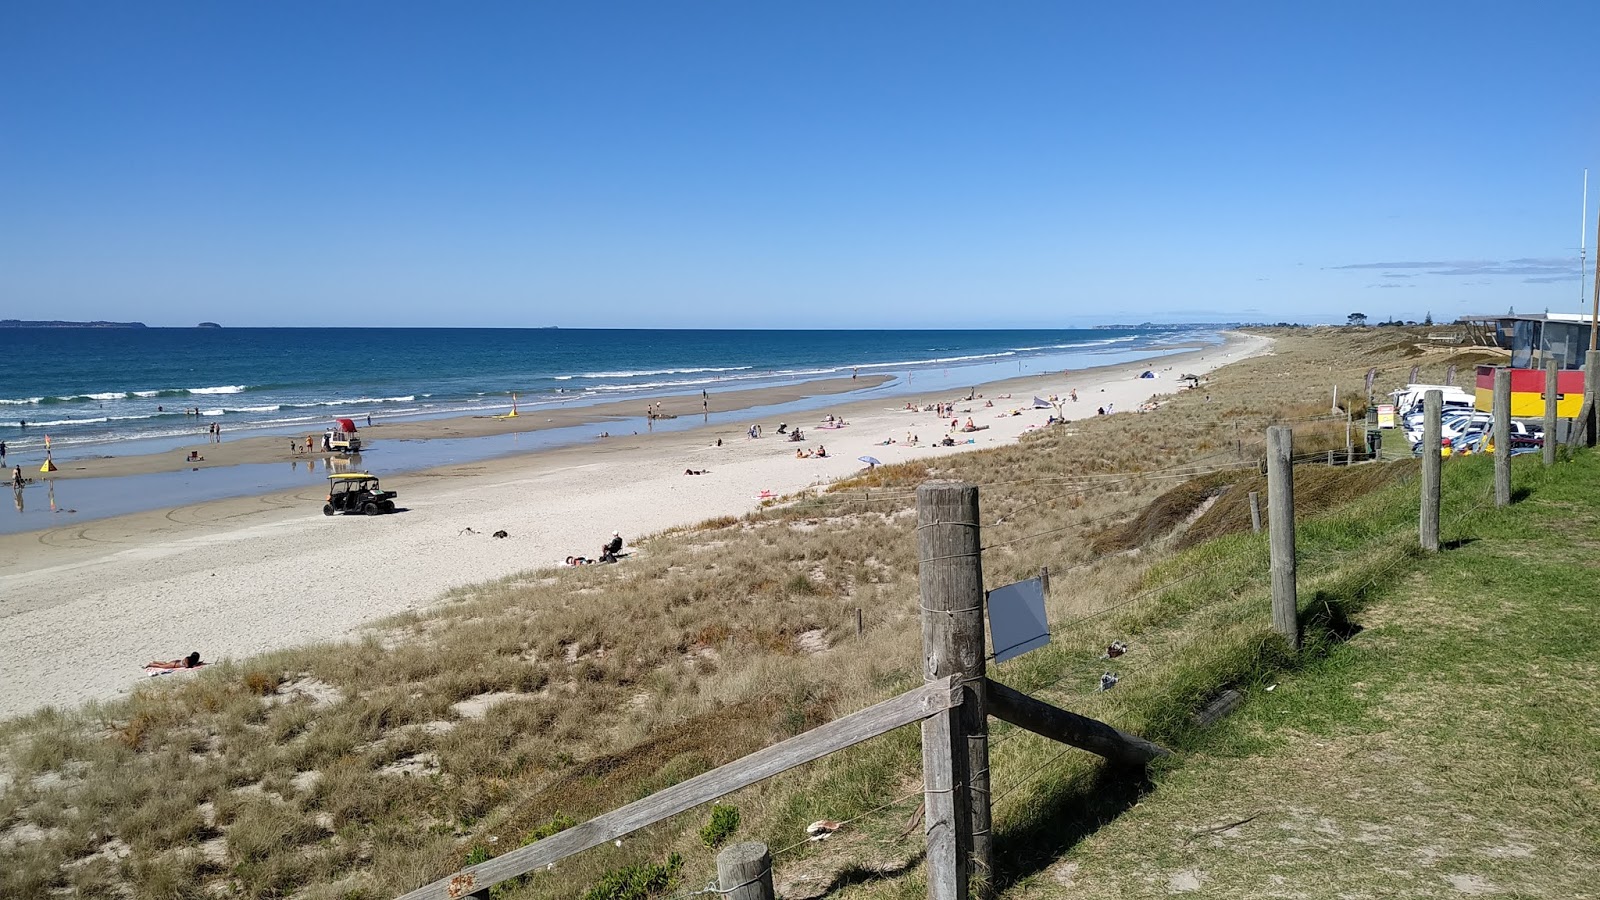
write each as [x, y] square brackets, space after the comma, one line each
[357, 492]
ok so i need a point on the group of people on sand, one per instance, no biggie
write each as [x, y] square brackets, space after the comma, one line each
[610, 551]
[820, 453]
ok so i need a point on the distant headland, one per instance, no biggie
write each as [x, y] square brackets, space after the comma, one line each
[55, 323]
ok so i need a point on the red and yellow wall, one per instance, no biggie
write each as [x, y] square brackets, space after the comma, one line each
[1527, 392]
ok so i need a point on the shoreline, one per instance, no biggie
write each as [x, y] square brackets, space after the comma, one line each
[245, 575]
[264, 449]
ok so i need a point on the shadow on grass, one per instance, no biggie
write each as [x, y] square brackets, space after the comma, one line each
[853, 875]
[1457, 544]
[1066, 812]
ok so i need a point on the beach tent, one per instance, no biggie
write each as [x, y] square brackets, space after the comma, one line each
[1148, 374]
[348, 426]
[1039, 403]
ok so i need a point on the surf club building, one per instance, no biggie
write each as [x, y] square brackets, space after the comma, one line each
[1533, 341]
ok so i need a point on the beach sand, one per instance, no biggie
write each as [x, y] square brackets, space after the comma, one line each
[82, 607]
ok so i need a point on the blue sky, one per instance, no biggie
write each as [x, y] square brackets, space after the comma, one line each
[790, 165]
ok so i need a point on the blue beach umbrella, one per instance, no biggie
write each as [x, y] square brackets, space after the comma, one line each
[870, 460]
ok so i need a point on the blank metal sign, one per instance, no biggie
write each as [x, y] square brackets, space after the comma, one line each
[1016, 619]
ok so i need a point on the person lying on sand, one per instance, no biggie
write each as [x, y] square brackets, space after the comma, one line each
[579, 561]
[695, 471]
[192, 661]
[802, 453]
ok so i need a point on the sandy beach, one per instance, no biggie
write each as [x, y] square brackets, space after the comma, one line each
[235, 577]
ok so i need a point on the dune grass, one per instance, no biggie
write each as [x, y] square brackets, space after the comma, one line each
[365, 769]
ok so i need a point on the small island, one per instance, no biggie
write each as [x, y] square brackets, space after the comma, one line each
[208, 325]
[55, 323]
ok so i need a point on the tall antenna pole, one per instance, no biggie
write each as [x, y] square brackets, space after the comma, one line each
[1583, 241]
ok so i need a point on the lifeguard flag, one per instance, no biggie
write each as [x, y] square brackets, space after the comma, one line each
[47, 442]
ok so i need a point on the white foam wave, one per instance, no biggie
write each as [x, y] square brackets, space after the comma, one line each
[64, 423]
[213, 412]
[25, 401]
[645, 373]
[368, 401]
[223, 389]
[108, 395]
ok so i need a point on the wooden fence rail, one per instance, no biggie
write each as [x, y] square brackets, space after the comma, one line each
[912, 706]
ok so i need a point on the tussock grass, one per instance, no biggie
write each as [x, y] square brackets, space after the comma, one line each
[366, 769]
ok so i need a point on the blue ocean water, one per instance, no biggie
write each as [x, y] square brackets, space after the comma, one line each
[88, 388]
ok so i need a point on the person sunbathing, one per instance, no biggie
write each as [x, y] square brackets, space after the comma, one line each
[192, 661]
[822, 451]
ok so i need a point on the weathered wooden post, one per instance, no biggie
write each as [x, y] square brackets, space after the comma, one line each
[1255, 512]
[1280, 521]
[1432, 411]
[1044, 579]
[1552, 395]
[860, 627]
[1591, 389]
[1502, 437]
[744, 872]
[955, 745]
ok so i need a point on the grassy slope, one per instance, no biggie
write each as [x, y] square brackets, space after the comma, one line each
[349, 771]
[1449, 747]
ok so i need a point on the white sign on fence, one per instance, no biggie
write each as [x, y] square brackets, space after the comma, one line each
[1016, 619]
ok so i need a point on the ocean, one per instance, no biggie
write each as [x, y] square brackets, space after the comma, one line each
[99, 389]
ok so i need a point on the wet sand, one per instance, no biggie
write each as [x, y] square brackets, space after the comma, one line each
[233, 451]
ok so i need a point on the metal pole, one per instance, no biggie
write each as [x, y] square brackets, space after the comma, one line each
[950, 574]
[1428, 528]
[1280, 522]
[1552, 396]
[1502, 437]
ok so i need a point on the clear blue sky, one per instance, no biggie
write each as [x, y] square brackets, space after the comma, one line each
[823, 164]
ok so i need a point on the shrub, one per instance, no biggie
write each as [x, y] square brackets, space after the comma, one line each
[558, 823]
[724, 822]
[635, 882]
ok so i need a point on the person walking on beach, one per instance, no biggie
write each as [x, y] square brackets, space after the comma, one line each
[2, 453]
[16, 478]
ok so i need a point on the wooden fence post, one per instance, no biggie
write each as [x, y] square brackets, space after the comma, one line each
[1502, 437]
[1591, 389]
[1255, 512]
[744, 872]
[950, 575]
[1044, 579]
[1432, 411]
[1280, 521]
[1551, 396]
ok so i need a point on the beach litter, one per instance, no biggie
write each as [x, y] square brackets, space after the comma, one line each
[502, 533]
[1108, 680]
[821, 828]
[1116, 649]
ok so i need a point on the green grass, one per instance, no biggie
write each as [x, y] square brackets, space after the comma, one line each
[1447, 748]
